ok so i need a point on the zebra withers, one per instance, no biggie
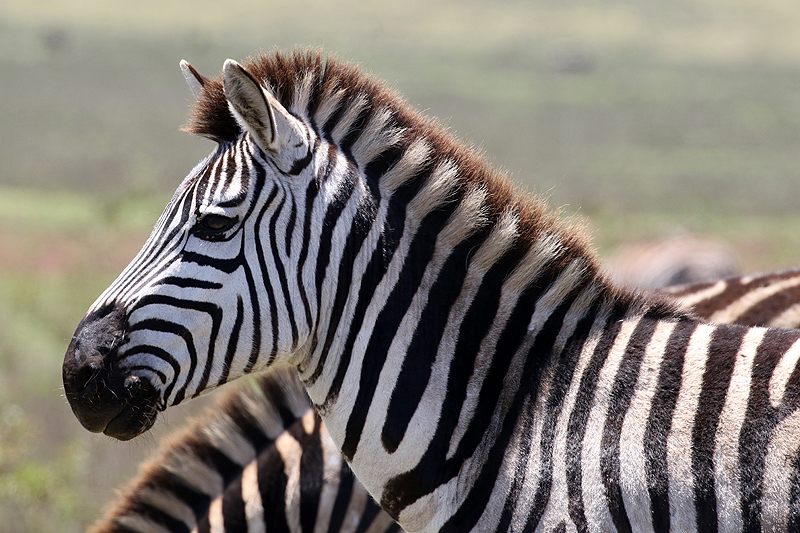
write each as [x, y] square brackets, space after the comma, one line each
[467, 357]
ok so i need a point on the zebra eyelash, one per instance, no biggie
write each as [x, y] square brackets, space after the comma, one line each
[213, 226]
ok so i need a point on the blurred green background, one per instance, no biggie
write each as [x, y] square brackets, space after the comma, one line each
[646, 118]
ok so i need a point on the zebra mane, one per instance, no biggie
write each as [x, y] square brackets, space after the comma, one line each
[243, 423]
[374, 126]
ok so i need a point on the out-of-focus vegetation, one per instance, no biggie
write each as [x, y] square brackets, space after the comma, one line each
[59, 251]
[645, 118]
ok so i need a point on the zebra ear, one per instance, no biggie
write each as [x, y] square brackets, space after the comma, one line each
[258, 112]
[195, 80]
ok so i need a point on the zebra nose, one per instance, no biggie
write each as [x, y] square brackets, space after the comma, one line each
[84, 381]
[103, 397]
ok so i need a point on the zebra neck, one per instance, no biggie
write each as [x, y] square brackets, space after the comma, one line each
[440, 372]
[439, 314]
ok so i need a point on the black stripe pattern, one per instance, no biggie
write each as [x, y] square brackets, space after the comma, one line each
[260, 460]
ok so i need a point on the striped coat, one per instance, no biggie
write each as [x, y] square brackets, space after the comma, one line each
[759, 299]
[261, 460]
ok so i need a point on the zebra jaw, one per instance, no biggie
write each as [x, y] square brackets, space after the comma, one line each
[104, 398]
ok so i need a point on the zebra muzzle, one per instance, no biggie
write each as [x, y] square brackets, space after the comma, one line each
[103, 397]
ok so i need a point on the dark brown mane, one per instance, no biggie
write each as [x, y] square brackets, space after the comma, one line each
[281, 73]
[322, 80]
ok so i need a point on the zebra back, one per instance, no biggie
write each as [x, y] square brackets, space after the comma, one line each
[261, 460]
[766, 299]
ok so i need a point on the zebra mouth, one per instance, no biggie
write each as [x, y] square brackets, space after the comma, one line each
[122, 414]
[132, 421]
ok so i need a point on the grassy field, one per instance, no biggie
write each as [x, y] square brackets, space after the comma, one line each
[645, 119]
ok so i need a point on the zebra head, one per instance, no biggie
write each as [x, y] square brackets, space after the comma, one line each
[210, 295]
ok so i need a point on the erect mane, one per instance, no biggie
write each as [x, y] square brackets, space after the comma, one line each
[312, 87]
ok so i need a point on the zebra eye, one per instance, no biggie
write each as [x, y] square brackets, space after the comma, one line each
[211, 226]
[217, 222]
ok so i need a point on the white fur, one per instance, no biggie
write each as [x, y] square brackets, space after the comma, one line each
[225, 438]
[412, 159]
[783, 371]
[557, 505]
[141, 525]
[596, 509]
[466, 219]
[532, 471]
[695, 298]
[167, 502]
[195, 473]
[291, 451]
[779, 473]
[726, 445]
[679, 439]
[216, 518]
[376, 137]
[752, 298]
[353, 109]
[632, 463]
[251, 496]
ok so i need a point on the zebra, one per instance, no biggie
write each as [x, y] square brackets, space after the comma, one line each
[768, 298]
[469, 358]
[260, 460]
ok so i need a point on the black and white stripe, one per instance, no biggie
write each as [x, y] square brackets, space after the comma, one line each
[467, 357]
[260, 460]
[770, 295]
[765, 299]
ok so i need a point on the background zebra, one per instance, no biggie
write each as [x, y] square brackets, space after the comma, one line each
[759, 298]
[464, 352]
[767, 299]
[261, 460]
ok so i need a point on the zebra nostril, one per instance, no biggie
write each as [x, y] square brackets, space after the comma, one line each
[132, 384]
[86, 378]
[102, 395]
